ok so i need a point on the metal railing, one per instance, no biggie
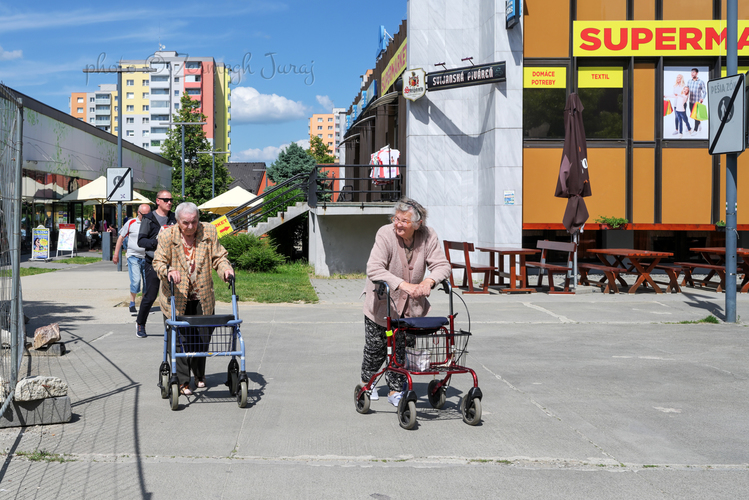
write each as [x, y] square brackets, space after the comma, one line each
[12, 334]
[319, 187]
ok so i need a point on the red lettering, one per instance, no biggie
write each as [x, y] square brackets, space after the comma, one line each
[588, 35]
[610, 44]
[744, 40]
[711, 36]
[641, 36]
[663, 35]
[693, 40]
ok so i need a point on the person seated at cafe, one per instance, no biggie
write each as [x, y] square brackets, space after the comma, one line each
[92, 236]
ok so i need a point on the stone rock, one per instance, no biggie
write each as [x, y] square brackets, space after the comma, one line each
[46, 335]
[34, 388]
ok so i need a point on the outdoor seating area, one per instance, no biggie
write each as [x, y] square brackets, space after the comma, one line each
[618, 270]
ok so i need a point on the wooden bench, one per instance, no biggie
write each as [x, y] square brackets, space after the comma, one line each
[468, 269]
[610, 276]
[551, 269]
[672, 271]
[688, 267]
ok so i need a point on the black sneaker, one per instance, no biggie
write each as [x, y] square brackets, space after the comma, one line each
[133, 309]
[140, 332]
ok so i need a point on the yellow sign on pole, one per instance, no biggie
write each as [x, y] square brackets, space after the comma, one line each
[223, 226]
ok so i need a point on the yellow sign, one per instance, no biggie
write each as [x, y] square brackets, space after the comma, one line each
[545, 78]
[600, 78]
[741, 69]
[223, 226]
[655, 38]
[394, 68]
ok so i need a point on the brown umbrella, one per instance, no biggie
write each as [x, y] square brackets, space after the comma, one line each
[573, 182]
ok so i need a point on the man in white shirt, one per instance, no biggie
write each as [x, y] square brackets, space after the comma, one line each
[136, 255]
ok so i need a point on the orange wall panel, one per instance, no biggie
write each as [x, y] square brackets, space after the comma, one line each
[687, 9]
[601, 10]
[606, 168]
[643, 126]
[540, 172]
[546, 26]
[643, 181]
[644, 10]
[742, 189]
[687, 186]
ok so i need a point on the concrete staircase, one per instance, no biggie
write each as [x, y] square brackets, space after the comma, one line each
[291, 212]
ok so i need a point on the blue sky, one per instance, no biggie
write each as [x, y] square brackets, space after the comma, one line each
[319, 49]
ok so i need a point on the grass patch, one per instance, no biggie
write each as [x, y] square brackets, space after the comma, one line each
[708, 319]
[289, 283]
[78, 260]
[26, 271]
[44, 456]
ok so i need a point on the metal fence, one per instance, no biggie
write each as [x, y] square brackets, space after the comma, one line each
[12, 334]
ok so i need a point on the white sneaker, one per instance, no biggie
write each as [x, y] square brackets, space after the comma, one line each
[394, 399]
[373, 396]
[676, 133]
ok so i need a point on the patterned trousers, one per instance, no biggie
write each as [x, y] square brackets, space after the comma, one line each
[375, 353]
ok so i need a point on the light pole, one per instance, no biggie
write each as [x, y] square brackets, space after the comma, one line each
[183, 147]
[213, 167]
[119, 70]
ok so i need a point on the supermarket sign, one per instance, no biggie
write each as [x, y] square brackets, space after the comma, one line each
[655, 38]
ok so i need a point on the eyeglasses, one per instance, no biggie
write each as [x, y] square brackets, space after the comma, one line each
[396, 220]
[165, 200]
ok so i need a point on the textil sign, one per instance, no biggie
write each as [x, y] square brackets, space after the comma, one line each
[655, 38]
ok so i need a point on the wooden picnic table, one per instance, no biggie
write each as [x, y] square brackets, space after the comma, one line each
[641, 263]
[716, 256]
[516, 260]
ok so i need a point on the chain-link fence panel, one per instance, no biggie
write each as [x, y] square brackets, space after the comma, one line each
[12, 335]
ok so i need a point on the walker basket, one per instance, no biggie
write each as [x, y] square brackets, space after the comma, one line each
[439, 351]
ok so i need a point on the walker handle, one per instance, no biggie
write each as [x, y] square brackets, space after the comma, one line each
[230, 281]
[171, 286]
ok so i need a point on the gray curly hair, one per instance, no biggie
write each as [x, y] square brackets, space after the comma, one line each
[409, 205]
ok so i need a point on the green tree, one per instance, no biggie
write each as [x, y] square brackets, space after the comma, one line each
[197, 166]
[319, 151]
[291, 161]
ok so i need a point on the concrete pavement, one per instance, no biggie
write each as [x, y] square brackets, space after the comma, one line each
[586, 396]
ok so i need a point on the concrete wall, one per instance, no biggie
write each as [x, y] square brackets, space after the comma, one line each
[341, 243]
[465, 145]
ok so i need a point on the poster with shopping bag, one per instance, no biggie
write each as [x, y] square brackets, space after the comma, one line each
[699, 112]
[667, 108]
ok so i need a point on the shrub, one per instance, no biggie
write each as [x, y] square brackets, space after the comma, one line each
[263, 258]
[238, 244]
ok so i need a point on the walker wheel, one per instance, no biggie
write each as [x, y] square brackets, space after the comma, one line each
[233, 383]
[242, 394]
[164, 381]
[407, 414]
[471, 412]
[361, 402]
[174, 396]
[436, 399]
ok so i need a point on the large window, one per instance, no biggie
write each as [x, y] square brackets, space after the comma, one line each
[602, 94]
[544, 96]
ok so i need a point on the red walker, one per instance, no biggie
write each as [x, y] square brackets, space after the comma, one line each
[432, 347]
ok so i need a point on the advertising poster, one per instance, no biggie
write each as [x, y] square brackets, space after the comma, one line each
[65, 240]
[685, 102]
[40, 243]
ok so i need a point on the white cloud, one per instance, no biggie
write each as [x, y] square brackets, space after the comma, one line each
[267, 154]
[250, 106]
[6, 55]
[325, 101]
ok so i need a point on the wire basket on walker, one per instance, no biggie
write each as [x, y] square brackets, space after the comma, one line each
[431, 347]
[203, 336]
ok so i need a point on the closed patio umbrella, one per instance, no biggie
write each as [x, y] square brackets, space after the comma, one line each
[573, 182]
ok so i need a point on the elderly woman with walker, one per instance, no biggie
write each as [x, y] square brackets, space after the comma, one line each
[403, 252]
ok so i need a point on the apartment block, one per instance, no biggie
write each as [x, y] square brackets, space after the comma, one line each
[151, 99]
[327, 126]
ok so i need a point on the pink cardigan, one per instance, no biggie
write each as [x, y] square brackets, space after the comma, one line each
[387, 262]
